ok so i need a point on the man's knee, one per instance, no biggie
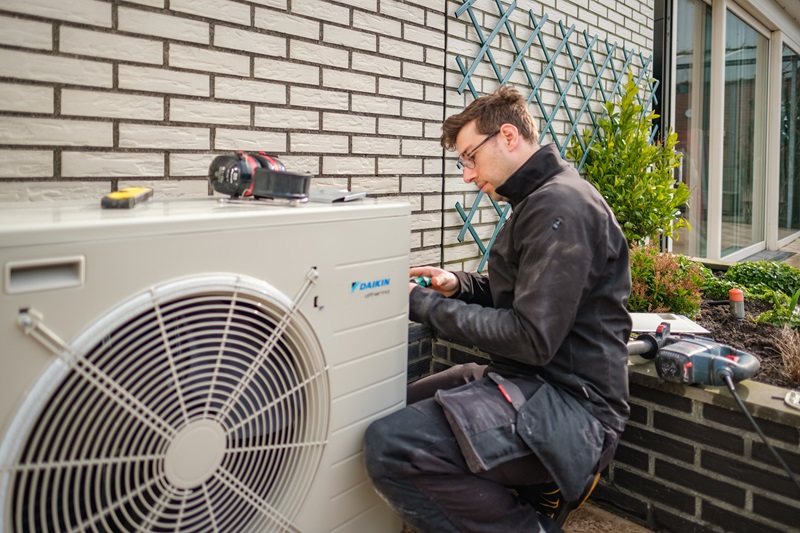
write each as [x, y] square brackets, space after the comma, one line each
[375, 437]
[396, 444]
[381, 442]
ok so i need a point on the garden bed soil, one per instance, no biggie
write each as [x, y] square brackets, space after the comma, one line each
[757, 339]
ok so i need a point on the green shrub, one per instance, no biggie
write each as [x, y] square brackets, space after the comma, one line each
[716, 287]
[664, 282]
[784, 311]
[634, 175]
[767, 281]
[776, 276]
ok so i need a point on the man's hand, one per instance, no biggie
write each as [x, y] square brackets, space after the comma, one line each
[441, 280]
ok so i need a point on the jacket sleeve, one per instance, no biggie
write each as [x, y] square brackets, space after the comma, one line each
[555, 239]
[473, 288]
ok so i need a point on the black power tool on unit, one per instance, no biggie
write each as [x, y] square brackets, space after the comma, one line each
[256, 175]
[693, 360]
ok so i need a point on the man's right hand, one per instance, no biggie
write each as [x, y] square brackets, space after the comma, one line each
[441, 280]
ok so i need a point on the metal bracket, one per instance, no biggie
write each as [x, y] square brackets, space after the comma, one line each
[31, 322]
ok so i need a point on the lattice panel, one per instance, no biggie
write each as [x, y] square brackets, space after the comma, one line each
[595, 72]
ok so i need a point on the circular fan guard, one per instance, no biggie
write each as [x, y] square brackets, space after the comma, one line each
[201, 405]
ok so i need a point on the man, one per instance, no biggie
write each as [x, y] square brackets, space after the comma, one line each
[482, 448]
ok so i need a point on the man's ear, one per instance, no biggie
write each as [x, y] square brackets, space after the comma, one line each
[509, 136]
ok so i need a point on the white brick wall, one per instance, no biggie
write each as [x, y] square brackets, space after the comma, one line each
[26, 98]
[280, 117]
[287, 71]
[249, 41]
[323, 99]
[347, 122]
[321, 54]
[26, 33]
[111, 164]
[204, 112]
[54, 69]
[52, 191]
[97, 94]
[315, 143]
[159, 80]
[93, 12]
[112, 105]
[278, 22]
[163, 137]
[205, 60]
[167, 26]
[55, 132]
[111, 46]
[241, 139]
[336, 79]
[26, 163]
[222, 10]
[249, 91]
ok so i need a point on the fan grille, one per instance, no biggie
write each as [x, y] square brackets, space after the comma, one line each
[201, 405]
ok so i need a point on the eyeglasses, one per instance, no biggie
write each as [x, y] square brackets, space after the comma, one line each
[468, 160]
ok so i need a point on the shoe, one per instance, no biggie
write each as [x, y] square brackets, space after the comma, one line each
[546, 525]
[552, 505]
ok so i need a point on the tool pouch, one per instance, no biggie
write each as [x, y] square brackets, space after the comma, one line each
[483, 417]
[563, 435]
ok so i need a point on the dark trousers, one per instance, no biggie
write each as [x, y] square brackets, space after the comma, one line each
[415, 463]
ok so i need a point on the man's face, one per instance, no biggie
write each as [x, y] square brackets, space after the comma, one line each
[490, 167]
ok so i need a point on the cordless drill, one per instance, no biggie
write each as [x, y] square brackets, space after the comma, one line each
[693, 360]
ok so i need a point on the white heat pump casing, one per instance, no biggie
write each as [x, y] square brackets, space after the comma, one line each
[72, 266]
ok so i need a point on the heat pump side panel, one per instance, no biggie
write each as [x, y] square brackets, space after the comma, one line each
[363, 338]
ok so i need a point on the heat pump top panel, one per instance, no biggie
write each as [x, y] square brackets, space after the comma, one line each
[42, 223]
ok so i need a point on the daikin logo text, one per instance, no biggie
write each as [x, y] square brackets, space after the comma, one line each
[358, 286]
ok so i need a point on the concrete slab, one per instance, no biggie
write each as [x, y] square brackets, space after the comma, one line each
[592, 519]
[794, 248]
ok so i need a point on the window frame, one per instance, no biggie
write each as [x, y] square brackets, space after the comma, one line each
[719, 11]
[773, 199]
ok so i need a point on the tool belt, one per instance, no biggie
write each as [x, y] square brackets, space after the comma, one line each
[497, 419]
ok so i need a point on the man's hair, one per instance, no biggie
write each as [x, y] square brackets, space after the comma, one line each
[504, 106]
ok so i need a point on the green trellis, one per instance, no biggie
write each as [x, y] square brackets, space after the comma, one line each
[598, 61]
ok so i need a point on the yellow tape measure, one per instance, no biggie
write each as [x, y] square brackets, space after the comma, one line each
[126, 198]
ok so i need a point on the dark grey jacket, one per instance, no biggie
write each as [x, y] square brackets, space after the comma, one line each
[556, 303]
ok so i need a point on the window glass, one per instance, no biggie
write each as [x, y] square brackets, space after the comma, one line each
[789, 196]
[692, 79]
[744, 141]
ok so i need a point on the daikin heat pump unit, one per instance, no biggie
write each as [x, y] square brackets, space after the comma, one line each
[198, 365]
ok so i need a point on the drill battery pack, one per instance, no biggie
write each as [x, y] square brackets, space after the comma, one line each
[126, 198]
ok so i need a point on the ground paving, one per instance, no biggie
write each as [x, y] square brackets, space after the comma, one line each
[592, 519]
[794, 248]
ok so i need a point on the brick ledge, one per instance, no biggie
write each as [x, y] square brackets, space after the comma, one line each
[762, 400]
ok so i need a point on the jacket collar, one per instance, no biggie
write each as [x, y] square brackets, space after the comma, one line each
[545, 163]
